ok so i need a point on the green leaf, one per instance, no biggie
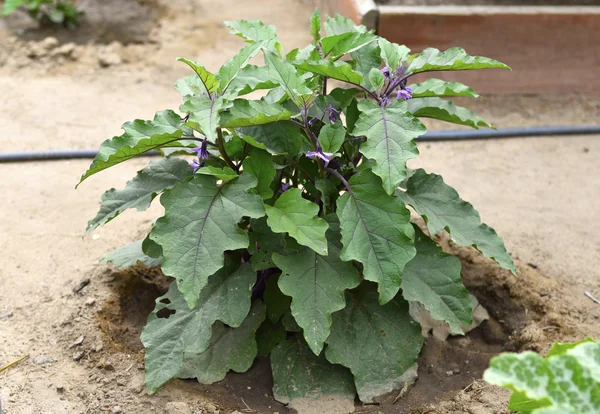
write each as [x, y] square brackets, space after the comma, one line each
[252, 78]
[260, 165]
[344, 96]
[129, 255]
[268, 336]
[151, 249]
[204, 113]
[199, 225]
[365, 59]
[380, 344]
[392, 54]
[563, 383]
[299, 374]
[285, 74]
[256, 31]
[438, 87]
[190, 85]
[376, 78]
[221, 173]
[332, 137]
[11, 5]
[141, 190]
[245, 113]
[278, 138]
[139, 137]
[233, 66]
[329, 192]
[297, 216]
[173, 328]
[442, 209]
[277, 303]
[339, 25]
[229, 349]
[455, 58]
[336, 70]
[315, 26]
[376, 231]
[339, 45]
[208, 79]
[316, 284]
[559, 348]
[390, 133]
[433, 279]
[263, 242]
[438, 108]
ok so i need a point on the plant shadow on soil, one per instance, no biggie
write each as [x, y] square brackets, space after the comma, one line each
[517, 311]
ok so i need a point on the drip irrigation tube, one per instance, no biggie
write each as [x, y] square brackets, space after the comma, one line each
[69, 154]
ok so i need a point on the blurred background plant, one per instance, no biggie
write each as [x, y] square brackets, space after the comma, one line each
[47, 12]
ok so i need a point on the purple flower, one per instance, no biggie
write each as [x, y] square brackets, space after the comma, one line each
[386, 71]
[285, 187]
[202, 150]
[325, 156]
[334, 114]
[195, 164]
[404, 93]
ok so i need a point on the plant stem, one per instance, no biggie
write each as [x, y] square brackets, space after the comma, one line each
[324, 85]
[221, 146]
[341, 178]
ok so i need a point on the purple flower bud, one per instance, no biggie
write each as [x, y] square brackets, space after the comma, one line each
[325, 156]
[195, 164]
[386, 72]
[334, 114]
[384, 101]
[202, 150]
[404, 94]
[285, 187]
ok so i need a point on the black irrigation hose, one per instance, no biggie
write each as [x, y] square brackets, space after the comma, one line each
[70, 154]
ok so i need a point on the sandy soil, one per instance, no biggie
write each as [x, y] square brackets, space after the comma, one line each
[540, 194]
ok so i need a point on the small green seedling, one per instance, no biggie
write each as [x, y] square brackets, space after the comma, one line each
[57, 12]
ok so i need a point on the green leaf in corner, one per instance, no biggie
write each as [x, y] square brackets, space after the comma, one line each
[442, 209]
[380, 344]
[139, 137]
[438, 108]
[225, 173]
[200, 224]
[11, 5]
[245, 113]
[336, 70]
[173, 328]
[297, 216]
[130, 255]
[392, 54]
[376, 231]
[564, 383]
[286, 75]
[233, 66]
[455, 58]
[230, 349]
[433, 279]
[260, 165]
[390, 133]
[437, 87]
[316, 284]
[141, 190]
[205, 113]
[299, 374]
[208, 79]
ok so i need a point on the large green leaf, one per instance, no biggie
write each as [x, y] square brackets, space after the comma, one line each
[380, 344]
[141, 190]
[278, 138]
[256, 31]
[392, 54]
[268, 336]
[438, 87]
[245, 113]
[442, 209]
[299, 374]
[376, 231]
[335, 70]
[221, 173]
[200, 224]
[129, 255]
[263, 243]
[173, 328]
[260, 165]
[205, 113]
[297, 216]
[339, 24]
[252, 78]
[437, 108]
[390, 133]
[433, 279]
[565, 383]
[208, 79]
[365, 59]
[285, 74]
[339, 45]
[139, 137]
[455, 58]
[332, 137]
[229, 349]
[233, 66]
[11, 5]
[277, 303]
[316, 284]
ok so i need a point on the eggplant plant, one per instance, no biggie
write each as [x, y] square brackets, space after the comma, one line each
[56, 12]
[289, 234]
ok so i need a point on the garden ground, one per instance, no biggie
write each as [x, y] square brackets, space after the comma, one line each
[540, 194]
